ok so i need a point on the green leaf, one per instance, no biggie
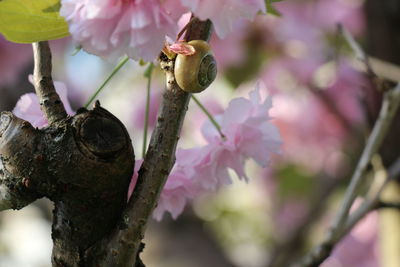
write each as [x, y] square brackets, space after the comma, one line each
[28, 21]
[271, 9]
[294, 181]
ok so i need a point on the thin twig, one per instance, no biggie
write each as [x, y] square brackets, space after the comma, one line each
[210, 117]
[383, 69]
[358, 51]
[373, 202]
[114, 71]
[50, 102]
[368, 204]
[386, 205]
[147, 74]
[388, 110]
[394, 170]
[288, 251]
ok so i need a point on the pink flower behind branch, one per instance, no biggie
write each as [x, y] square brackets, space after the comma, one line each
[249, 134]
[182, 48]
[359, 247]
[173, 197]
[28, 107]
[138, 28]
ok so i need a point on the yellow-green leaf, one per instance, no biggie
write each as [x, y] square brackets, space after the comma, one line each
[28, 21]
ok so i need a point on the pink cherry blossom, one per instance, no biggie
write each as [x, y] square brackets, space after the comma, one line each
[249, 134]
[348, 13]
[247, 128]
[224, 13]
[314, 117]
[174, 196]
[314, 123]
[229, 51]
[298, 39]
[359, 248]
[182, 48]
[112, 28]
[28, 107]
[314, 14]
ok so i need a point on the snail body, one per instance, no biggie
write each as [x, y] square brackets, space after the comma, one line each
[194, 73]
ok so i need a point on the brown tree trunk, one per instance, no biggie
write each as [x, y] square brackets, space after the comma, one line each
[82, 163]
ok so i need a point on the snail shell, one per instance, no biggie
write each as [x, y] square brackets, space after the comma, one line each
[196, 72]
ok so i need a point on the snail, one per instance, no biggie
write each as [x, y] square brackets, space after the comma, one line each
[196, 72]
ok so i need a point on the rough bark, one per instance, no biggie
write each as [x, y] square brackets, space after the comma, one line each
[82, 163]
[92, 185]
[84, 166]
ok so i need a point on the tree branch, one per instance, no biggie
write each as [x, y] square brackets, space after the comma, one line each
[16, 142]
[288, 251]
[388, 205]
[341, 222]
[124, 244]
[50, 102]
[388, 110]
[367, 206]
[358, 51]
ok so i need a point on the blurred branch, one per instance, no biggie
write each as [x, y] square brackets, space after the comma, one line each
[358, 51]
[394, 170]
[285, 252]
[374, 67]
[50, 102]
[384, 205]
[326, 100]
[373, 202]
[388, 110]
[341, 222]
[382, 68]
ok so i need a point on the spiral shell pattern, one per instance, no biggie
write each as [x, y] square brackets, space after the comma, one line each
[196, 72]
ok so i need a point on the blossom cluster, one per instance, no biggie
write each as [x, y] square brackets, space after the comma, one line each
[248, 134]
[138, 28]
